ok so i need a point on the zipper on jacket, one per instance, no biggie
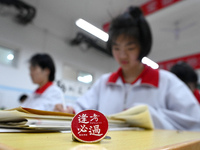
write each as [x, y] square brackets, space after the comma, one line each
[127, 89]
[125, 99]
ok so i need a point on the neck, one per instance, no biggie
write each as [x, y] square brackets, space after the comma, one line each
[131, 75]
[43, 83]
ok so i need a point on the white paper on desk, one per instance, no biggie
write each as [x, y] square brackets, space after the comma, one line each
[138, 116]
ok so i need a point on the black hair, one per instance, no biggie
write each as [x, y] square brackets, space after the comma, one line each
[22, 98]
[185, 72]
[134, 25]
[45, 62]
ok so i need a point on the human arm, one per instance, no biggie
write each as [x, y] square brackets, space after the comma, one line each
[175, 108]
[45, 101]
[89, 100]
[181, 112]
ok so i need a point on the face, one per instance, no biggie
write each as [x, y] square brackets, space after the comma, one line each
[39, 75]
[126, 51]
[191, 86]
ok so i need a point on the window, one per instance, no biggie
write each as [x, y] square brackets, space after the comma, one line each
[8, 56]
[73, 74]
[85, 77]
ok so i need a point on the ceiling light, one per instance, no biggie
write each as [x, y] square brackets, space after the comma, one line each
[85, 79]
[10, 56]
[150, 63]
[92, 29]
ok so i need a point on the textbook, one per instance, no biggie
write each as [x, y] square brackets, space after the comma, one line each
[138, 116]
[38, 121]
[32, 119]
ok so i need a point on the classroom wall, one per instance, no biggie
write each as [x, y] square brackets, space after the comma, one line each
[49, 34]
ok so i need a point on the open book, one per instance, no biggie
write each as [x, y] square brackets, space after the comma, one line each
[38, 120]
[137, 116]
[32, 119]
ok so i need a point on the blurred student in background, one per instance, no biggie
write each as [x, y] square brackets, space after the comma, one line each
[42, 72]
[188, 75]
[22, 98]
[170, 102]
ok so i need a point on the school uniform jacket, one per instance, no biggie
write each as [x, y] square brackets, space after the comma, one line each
[196, 93]
[44, 98]
[172, 105]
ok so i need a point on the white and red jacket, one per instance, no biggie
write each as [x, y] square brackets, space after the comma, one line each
[44, 98]
[196, 93]
[172, 105]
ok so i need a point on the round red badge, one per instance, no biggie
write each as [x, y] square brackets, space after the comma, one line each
[89, 126]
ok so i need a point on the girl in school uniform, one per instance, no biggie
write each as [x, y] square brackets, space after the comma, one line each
[42, 72]
[171, 104]
[188, 75]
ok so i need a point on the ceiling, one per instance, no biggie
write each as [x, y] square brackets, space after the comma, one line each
[175, 29]
[96, 11]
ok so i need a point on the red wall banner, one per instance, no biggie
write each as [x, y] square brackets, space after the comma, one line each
[155, 5]
[149, 8]
[192, 60]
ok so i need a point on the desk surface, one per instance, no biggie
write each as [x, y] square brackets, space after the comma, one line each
[120, 140]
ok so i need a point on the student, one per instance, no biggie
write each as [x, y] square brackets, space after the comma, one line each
[22, 98]
[42, 72]
[188, 75]
[171, 104]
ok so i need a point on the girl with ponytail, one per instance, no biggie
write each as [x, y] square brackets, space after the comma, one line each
[170, 102]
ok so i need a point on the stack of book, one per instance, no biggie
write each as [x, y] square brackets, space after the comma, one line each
[32, 119]
[39, 121]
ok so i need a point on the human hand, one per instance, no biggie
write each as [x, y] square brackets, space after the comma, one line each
[59, 108]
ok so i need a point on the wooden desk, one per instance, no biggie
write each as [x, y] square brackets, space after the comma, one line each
[120, 140]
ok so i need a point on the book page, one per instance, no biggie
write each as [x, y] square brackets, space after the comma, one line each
[14, 119]
[137, 116]
[13, 115]
[40, 112]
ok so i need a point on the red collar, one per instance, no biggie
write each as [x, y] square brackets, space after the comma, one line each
[197, 95]
[149, 76]
[43, 88]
